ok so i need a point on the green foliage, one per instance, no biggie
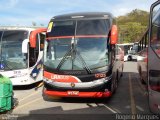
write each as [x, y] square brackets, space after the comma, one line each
[132, 26]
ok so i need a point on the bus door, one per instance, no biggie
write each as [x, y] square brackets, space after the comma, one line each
[36, 51]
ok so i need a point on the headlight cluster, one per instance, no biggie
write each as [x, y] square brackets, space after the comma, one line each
[47, 80]
[106, 79]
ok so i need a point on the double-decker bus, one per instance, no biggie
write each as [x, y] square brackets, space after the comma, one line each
[20, 61]
[80, 56]
[149, 58]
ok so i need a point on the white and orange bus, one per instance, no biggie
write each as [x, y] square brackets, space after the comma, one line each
[80, 56]
[20, 61]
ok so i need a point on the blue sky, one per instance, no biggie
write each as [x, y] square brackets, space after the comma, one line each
[24, 12]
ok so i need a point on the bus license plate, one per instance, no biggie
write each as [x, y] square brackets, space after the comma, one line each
[73, 93]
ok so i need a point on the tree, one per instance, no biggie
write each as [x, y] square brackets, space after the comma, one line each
[132, 25]
[131, 31]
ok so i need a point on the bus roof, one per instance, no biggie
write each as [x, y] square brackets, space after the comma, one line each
[29, 29]
[16, 28]
[84, 15]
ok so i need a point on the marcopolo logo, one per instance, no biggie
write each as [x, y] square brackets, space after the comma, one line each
[57, 77]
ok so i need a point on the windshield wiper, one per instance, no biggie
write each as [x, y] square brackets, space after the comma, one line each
[81, 59]
[83, 62]
[72, 52]
[64, 59]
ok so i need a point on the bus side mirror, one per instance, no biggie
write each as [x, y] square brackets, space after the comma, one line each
[25, 46]
[33, 35]
[114, 35]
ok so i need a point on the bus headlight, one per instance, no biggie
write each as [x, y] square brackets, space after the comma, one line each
[47, 80]
[106, 79]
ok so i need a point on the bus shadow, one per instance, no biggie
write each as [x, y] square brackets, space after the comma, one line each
[58, 113]
[26, 87]
[130, 89]
[82, 100]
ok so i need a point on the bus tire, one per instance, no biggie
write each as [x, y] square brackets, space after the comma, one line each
[129, 58]
[140, 74]
[143, 82]
[149, 105]
[122, 71]
[45, 97]
[115, 85]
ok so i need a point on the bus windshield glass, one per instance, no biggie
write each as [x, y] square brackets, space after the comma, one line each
[77, 45]
[11, 56]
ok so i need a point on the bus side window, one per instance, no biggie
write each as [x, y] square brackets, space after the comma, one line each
[33, 53]
[155, 36]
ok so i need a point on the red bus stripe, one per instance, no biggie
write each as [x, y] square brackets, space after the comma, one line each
[49, 38]
[79, 36]
[91, 36]
[81, 94]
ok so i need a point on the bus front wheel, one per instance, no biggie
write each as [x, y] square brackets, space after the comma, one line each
[129, 58]
[115, 84]
[45, 97]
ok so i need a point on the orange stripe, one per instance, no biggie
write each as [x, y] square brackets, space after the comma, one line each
[60, 78]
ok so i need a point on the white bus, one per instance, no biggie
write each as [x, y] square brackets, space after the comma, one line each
[130, 50]
[19, 61]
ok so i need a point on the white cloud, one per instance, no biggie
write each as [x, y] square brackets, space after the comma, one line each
[23, 21]
[13, 3]
[8, 4]
[41, 11]
[126, 6]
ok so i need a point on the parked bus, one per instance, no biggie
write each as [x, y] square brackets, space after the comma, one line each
[130, 51]
[154, 59]
[142, 57]
[120, 52]
[20, 61]
[80, 56]
[149, 58]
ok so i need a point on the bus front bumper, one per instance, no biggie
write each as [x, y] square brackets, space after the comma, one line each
[78, 94]
[98, 88]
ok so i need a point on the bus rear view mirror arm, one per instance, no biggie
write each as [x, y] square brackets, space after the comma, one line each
[33, 36]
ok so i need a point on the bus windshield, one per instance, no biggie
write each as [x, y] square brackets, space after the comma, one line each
[77, 45]
[11, 56]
